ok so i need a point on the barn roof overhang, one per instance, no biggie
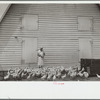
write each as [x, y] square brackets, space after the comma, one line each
[3, 9]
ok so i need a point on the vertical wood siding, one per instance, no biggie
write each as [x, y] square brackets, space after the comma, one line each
[57, 32]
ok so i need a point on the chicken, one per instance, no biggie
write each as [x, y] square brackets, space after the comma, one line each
[42, 73]
[67, 70]
[15, 75]
[80, 74]
[62, 69]
[49, 77]
[44, 77]
[29, 76]
[86, 75]
[38, 74]
[33, 75]
[82, 69]
[7, 77]
[54, 77]
[64, 76]
[58, 75]
[24, 75]
[98, 75]
[79, 68]
[73, 74]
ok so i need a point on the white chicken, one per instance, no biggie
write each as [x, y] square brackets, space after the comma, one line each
[29, 76]
[44, 77]
[33, 75]
[14, 75]
[58, 75]
[49, 77]
[73, 74]
[54, 77]
[62, 68]
[7, 77]
[86, 75]
[98, 75]
[67, 70]
[80, 74]
[38, 74]
[64, 76]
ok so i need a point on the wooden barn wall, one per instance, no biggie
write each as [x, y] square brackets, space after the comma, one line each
[57, 32]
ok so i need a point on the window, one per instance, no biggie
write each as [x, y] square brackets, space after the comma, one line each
[85, 23]
[30, 22]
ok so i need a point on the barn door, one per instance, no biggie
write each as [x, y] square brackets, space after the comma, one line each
[29, 52]
[85, 48]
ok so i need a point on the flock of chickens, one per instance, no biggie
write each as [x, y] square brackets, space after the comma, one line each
[45, 73]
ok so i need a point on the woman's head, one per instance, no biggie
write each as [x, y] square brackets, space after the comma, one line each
[41, 48]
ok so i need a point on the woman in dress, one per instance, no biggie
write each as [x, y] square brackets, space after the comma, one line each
[41, 55]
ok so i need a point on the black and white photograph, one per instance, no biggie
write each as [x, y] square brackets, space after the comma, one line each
[49, 42]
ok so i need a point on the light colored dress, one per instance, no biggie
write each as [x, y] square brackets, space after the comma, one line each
[40, 58]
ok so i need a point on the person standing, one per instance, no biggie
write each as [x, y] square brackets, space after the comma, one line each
[41, 55]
